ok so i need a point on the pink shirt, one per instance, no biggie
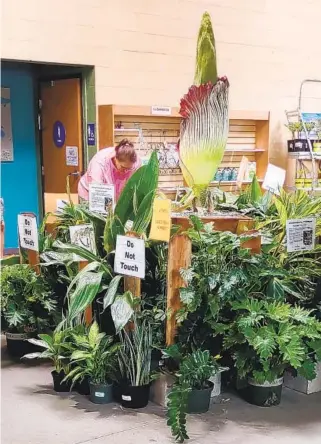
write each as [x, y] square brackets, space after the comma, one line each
[101, 169]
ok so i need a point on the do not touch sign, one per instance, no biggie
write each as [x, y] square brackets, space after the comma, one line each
[130, 256]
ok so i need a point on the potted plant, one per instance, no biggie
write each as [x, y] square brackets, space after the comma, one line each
[26, 306]
[94, 358]
[266, 338]
[134, 357]
[297, 144]
[57, 349]
[317, 143]
[191, 391]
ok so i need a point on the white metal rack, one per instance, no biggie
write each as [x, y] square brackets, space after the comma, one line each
[310, 155]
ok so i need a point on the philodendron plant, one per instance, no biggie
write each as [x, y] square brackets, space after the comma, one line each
[266, 338]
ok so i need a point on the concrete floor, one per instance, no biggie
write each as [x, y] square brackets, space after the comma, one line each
[32, 413]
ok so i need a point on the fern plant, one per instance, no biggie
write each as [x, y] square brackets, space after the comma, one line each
[195, 370]
[268, 337]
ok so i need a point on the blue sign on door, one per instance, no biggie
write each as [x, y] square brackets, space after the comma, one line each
[59, 134]
[91, 134]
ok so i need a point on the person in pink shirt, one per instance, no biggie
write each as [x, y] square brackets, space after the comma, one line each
[112, 166]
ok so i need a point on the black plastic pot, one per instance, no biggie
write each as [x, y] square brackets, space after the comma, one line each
[60, 386]
[101, 393]
[18, 345]
[135, 397]
[199, 400]
[83, 387]
[265, 395]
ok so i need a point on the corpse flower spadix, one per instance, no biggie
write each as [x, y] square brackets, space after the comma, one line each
[204, 109]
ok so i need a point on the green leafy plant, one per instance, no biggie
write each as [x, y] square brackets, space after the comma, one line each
[134, 356]
[57, 348]
[26, 300]
[195, 370]
[266, 338]
[94, 356]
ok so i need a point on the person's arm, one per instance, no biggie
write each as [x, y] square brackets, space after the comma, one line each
[95, 172]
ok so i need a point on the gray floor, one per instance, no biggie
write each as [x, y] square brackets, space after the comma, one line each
[32, 413]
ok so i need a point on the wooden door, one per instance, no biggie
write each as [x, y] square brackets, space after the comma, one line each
[61, 132]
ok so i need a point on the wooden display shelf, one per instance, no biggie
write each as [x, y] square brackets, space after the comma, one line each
[248, 136]
[233, 223]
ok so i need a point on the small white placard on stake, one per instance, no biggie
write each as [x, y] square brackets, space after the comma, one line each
[274, 179]
[101, 198]
[72, 155]
[83, 236]
[161, 110]
[28, 232]
[130, 256]
[300, 234]
[60, 205]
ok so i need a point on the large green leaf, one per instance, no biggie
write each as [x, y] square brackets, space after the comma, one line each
[316, 346]
[121, 311]
[275, 289]
[307, 370]
[111, 292]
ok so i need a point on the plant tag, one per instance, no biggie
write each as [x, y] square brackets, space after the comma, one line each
[161, 220]
[274, 179]
[83, 236]
[130, 256]
[126, 398]
[100, 394]
[300, 234]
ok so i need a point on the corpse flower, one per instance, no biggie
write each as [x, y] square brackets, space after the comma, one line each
[204, 109]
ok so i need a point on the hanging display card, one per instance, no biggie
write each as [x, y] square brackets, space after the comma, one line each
[101, 198]
[83, 236]
[300, 234]
[6, 152]
[28, 232]
[72, 155]
[130, 256]
[161, 220]
[274, 179]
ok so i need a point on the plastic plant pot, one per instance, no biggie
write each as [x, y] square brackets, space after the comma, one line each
[199, 400]
[265, 395]
[59, 385]
[135, 397]
[101, 393]
[83, 387]
[18, 345]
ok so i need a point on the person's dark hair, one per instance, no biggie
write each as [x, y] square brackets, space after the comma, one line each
[125, 150]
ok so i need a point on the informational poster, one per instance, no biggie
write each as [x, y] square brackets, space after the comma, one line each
[6, 152]
[28, 232]
[72, 156]
[83, 236]
[300, 234]
[130, 256]
[161, 220]
[101, 198]
[274, 179]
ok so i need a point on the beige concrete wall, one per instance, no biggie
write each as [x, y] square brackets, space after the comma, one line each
[144, 50]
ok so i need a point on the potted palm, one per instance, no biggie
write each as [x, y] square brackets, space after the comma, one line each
[94, 358]
[26, 306]
[56, 347]
[134, 358]
[191, 391]
[266, 338]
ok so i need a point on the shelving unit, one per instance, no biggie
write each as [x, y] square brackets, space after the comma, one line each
[248, 136]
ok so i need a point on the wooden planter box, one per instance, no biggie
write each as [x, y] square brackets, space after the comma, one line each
[234, 223]
[302, 385]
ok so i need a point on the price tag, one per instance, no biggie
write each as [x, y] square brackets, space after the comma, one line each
[83, 236]
[300, 234]
[130, 256]
[101, 198]
[28, 232]
[161, 220]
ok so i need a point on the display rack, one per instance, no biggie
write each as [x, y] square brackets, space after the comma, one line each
[313, 158]
[248, 136]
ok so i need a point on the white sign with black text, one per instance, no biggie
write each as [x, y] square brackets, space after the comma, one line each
[300, 234]
[72, 156]
[28, 232]
[274, 179]
[130, 256]
[161, 110]
[83, 236]
[101, 198]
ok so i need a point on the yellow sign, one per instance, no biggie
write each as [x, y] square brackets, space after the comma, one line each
[161, 220]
